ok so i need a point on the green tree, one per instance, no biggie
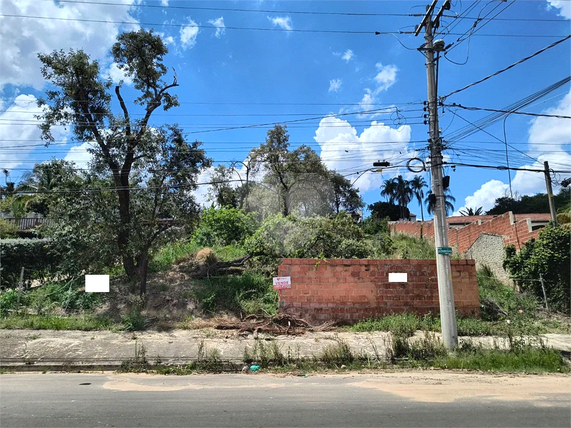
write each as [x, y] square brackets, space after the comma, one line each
[286, 170]
[469, 211]
[400, 191]
[538, 203]
[417, 184]
[388, 190]
[381, 210]
[81, 99]
[44, 180]
[224, 226]
[548, 258]
[221, 190]
[431, 202]
[345, 196]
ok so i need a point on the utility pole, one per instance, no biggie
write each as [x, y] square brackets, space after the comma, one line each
[443, 251]
[550, 193]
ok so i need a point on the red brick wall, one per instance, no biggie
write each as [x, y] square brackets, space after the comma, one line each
[353, 290]
[462, 239]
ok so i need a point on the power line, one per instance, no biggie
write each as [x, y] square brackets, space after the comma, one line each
[294, 30]
[475, 27]
[502, 167]
[167, 24]
[558, 116]
[293, 12]
[221, 9]
[493, 136]
[508, 67]
[494, 117]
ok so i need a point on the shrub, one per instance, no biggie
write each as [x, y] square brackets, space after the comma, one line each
[224, 226]
[548, 258]
[313, 237]
[8, 301]
[8, 229]
[410, 247]
[36, 256]
[248, 293]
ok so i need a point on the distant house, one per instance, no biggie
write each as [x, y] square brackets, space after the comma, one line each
[26, 223]
[483, 237]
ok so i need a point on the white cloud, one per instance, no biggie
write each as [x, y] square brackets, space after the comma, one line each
[188, 34]
[564, 7]
[80, 155]
[556, 132]
[348, 55]
[386, 77]
[219, 24]
[22, 39]
[19, 131]
[164, 3]
[485, 196]
[343, 150]
[117, 75]
[367, 103]
[549, 139]
[334, 85]
[168, 40]
[281, 21]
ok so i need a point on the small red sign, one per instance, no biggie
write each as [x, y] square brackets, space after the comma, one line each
[282, 282]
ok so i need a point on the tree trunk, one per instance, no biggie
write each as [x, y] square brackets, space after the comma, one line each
[142, 269]
[421, 224]
[123, 237]
[285, 199]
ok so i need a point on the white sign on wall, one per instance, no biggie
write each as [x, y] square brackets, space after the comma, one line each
[282, 282]
[397, 277]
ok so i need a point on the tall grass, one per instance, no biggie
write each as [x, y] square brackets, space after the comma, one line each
[244, 294]
[178, 251]
[410, 247]
[53, 322]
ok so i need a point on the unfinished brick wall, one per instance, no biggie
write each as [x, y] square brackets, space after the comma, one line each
[515, 230]
[353, 290]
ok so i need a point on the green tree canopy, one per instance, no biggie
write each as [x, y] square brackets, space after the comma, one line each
[126, 150]
[549, 259]
[288, 171]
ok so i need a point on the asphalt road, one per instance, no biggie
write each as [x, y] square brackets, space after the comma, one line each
[258, 400]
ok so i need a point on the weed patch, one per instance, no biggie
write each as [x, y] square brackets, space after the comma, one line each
[245, 294]
[53, 322]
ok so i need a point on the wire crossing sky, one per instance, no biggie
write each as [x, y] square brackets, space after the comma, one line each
[345, 77]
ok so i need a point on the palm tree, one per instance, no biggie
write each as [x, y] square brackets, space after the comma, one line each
[398, 190]
[472, 211]
[388, 190]
[404, 194]
[431, 202]
[417, 184]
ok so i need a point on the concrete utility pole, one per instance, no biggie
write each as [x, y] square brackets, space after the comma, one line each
[443, 251]
[550, 193]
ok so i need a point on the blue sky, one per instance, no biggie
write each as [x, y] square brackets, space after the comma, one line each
[268, 64]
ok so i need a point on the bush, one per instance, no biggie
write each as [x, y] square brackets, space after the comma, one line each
[248, 293]
[36, 256]
[67, 295]
[8, 229]
[224, 226]
[549, 258]
[8, 301]
[314, 237]
[410, 247]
